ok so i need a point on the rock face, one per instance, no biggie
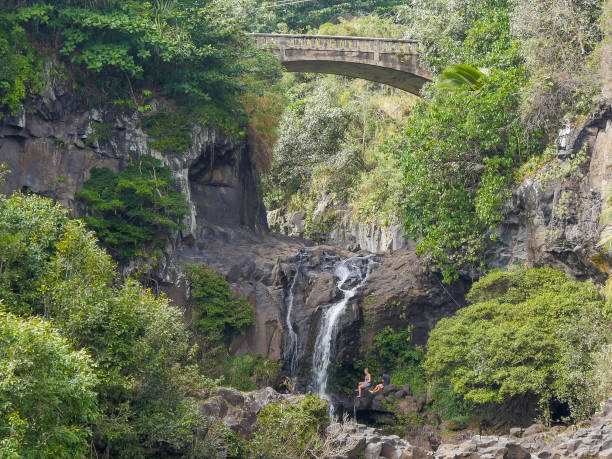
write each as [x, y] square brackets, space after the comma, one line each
[51, 151]
[553, 217]
[344, 231]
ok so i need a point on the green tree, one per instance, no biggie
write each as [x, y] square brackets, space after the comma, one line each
[193, 51]
[132, 207]
[137, 341]
[217, 311]
[530, 333]
[47, 391]
[458, 152]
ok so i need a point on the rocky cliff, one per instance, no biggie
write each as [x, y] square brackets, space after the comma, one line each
[553, 216]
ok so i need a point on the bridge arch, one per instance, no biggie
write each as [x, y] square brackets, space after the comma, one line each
[388, 61]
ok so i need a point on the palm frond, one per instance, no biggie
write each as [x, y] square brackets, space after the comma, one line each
[462, 75]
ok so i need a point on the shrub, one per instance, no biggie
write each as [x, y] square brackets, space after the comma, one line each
[456, 185]
[290, 430]
[47, 391]
[395, 352]
[217, 312]
[249, 372]
[132, 207]
[530, 332]
[21, 72]
[171, 132]
[101, 132]
[562, 78]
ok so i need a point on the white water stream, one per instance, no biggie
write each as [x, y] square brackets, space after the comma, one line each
[352, 274]
[292, 348]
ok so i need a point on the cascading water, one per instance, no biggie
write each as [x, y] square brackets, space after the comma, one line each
[291, 350]
[352, 274]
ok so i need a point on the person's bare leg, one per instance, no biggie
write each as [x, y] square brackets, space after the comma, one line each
[360, 389]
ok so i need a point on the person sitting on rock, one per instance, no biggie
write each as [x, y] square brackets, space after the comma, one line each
[367, 382]
[385, 380]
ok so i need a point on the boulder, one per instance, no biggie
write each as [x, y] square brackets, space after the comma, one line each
[485, 447]
[534, 429]
[232, 396]
[373, 450]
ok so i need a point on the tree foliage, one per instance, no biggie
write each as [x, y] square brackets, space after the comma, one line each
[557, 39]
[290, 430]
[458, 151]
[312, 15]
[130, 208]
[529, 333]
[193, 51]
[459, 148]
[47, 391]
[137, 341]
[217, 311]
[20, 72]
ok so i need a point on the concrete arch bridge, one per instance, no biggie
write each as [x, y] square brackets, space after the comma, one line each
[388, 61]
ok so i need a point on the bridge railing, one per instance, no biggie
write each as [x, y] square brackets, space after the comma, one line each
[328, 42]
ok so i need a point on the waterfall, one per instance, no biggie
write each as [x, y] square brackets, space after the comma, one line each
[291, 350]
[352, 274]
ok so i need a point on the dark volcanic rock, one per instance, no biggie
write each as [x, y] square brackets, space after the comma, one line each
[553, 218]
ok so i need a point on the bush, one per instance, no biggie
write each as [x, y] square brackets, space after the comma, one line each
[171, 132]
[562, 79]
[217, 312]
[250, 372]
[530, 332]
[290, 430]
[395, 352]
[21, 72]
[133, 207]
[456, 186]
[47, 391]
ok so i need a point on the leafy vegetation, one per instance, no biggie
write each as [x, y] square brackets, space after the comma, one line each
[21, 72]
[394, 352]
[130, 208]
[192, 51]
[250, 372]
[139, 346]
[171, 132]
[292, 430]
[529, 333]
[217, 312]
[47, 391]
[330, 139]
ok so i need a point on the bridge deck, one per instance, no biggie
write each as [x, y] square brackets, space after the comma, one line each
[391, 61]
